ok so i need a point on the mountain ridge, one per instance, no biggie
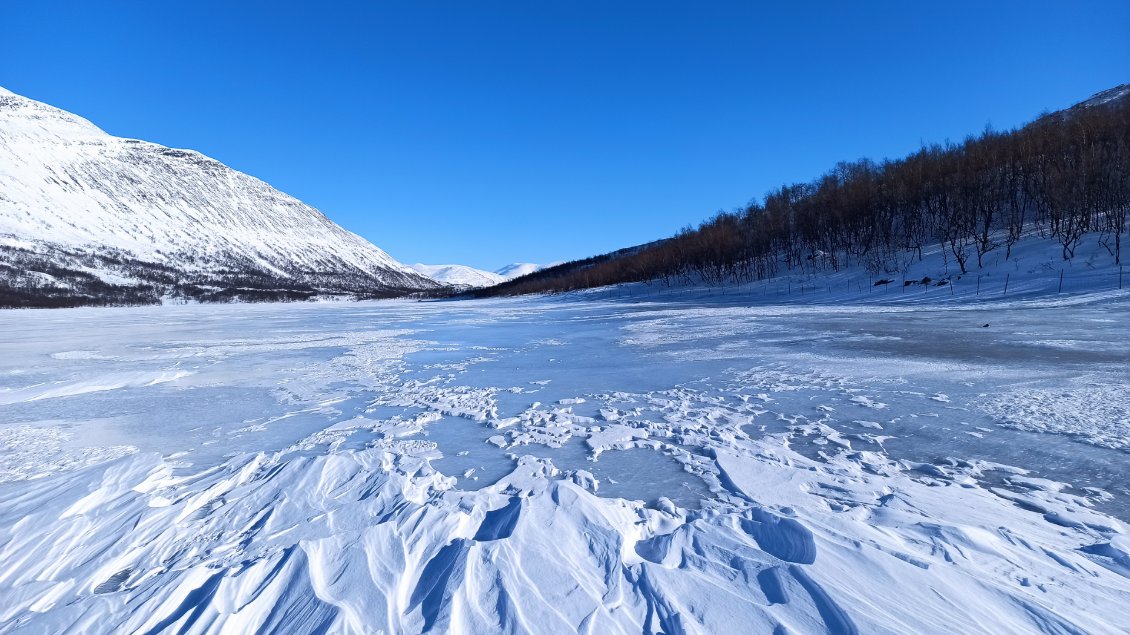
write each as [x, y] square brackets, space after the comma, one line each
[459, 275]
[140, 211]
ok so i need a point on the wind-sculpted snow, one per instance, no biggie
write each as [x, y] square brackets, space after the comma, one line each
[546, 467]
[77, 198]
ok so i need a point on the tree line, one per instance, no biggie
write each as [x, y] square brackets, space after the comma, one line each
[58, 277]
[1064, 176]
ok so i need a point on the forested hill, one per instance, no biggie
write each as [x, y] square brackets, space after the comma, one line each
[1064, 176]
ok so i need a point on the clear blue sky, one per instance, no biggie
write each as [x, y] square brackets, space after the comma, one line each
[490, 132]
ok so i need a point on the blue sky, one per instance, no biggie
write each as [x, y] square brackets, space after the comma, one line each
[491, 132]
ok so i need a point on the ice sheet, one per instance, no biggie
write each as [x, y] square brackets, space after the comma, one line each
[546, 465]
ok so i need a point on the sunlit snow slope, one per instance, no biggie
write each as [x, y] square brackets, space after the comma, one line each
[123, 210]
[518, 269]
[459, 275]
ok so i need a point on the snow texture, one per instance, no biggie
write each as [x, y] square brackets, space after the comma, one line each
[553, 465]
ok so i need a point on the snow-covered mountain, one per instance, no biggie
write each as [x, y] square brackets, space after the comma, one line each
[518, 269]
[86, 215]
[459, 275]
[469, 277]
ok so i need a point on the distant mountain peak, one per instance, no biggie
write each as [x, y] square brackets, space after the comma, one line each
[459, 275]
[43, 119]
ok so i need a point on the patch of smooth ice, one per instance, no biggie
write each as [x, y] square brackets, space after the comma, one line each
[479, 456]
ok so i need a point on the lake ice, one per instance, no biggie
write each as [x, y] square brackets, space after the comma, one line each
[549, 465]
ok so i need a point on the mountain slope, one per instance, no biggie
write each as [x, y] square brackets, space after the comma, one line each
[79, 202]
[518, 269]
[459, 275]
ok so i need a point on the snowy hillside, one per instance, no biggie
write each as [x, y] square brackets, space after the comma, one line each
[518, 269]
[459, 275]
[1103, 98]
[80, 207]
[469, 277]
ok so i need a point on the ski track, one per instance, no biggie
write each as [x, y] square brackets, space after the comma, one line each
[324, 512]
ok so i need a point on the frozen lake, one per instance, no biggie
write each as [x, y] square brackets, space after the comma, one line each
[391, 463]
